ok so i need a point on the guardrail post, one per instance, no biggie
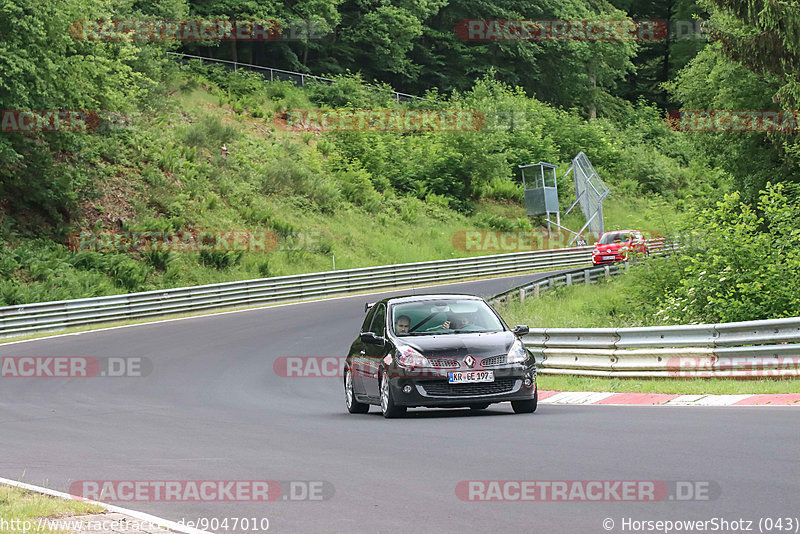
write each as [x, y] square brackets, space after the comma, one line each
[522, 295]
[569, 279]
[587, 277]
[627, 266]
[607, 270]
[536, 290]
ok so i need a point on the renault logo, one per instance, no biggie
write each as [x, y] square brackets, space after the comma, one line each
[470, 361]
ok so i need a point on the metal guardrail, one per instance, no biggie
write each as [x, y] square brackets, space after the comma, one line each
[288, 75]
[657, 247]
[50, 316]
[753, 349]
[744, 350]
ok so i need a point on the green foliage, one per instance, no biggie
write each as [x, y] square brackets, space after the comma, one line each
[220, 260]
[740, 263]
[45, 68]
[209, 133]
[350, 91]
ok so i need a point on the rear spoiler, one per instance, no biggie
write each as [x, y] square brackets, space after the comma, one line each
[367, 306]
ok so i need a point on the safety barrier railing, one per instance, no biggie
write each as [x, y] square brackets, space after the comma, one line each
[753, 349]
[48, 316]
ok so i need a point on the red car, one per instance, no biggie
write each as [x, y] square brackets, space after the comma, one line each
[615, 246]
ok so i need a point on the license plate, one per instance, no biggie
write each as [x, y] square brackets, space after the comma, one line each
[463, 377]
[608, 257]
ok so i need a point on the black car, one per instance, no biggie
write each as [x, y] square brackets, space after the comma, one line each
[442, 351]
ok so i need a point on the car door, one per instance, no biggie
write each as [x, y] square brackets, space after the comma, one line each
[358, 355]
[375, 352]
[640, 244]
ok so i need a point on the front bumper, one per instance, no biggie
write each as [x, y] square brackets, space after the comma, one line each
[434, 390]
[598, 259]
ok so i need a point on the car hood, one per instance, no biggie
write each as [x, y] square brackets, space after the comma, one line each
[611, 247]
[479, 345]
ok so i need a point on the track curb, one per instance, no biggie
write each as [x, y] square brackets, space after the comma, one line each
[666, 399]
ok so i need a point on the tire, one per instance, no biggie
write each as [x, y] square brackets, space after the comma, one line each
[526, 406]
[353, 406]
[388, 407]
[477, 407]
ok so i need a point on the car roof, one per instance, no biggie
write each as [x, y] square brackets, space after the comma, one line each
[416, 298]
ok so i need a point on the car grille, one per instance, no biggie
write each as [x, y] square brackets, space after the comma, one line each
[440, 388]
[494, 360]
[444, 363]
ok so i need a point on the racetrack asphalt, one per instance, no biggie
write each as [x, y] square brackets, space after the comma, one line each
[213, 408]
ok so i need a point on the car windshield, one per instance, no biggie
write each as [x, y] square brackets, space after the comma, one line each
[446, 316]
[614, 237]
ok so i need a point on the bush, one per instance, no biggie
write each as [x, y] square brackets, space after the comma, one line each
[220, 260]
[209, 133]
[739, 264]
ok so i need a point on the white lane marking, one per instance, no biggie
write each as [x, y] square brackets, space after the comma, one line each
[685, 400]
[721, 400]
[164, 523]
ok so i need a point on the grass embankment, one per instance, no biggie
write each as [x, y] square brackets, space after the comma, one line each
[606, 304]
[611, 304]
[163, 169]
[18, 506]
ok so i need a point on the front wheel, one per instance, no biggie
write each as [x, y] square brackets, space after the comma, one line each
[353, 406]
[526, 406]
[388, 407]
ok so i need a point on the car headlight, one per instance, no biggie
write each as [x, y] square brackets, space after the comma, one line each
[517, 354]
[409, 357]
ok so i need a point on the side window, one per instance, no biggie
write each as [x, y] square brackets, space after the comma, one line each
[368, 320]
[379, 321]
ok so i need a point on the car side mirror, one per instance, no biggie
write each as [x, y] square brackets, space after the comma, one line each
[371, 339]
[521, 330]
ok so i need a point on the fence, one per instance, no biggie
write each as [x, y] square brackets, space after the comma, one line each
[285, 75]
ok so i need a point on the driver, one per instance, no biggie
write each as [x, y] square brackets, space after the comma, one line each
[402, 324]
